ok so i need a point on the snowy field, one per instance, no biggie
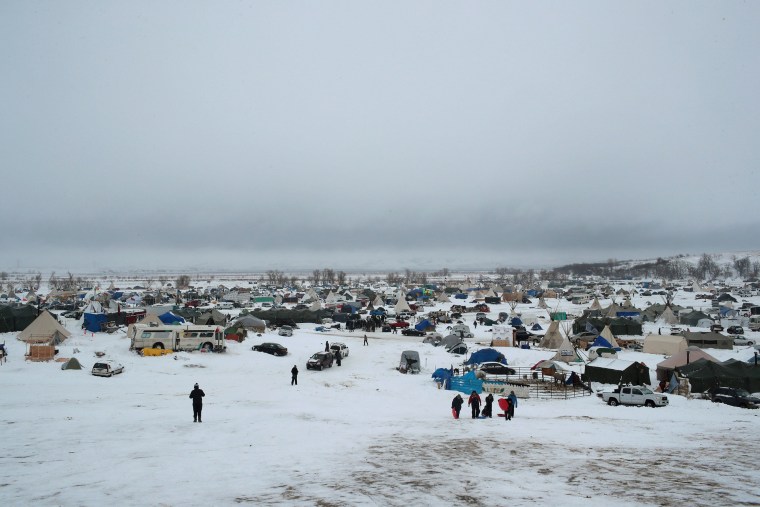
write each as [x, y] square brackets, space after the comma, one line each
[358, 434]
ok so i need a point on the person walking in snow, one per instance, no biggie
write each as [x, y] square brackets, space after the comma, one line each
[294, 375]
[512, 398]
[327, 347]
[366, 342]
[474, 402]
[197, 395]
[338, 357]
[488, 409]
[456, 405]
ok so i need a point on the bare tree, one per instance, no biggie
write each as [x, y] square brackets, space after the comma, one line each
[183, 281]
[341, 277]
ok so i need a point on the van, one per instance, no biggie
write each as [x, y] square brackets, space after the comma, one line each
[320, 361]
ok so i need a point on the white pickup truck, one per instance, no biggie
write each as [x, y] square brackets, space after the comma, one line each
[634, 395]
[336, 347]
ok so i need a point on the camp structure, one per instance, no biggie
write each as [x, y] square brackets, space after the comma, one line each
[665, 344]
[251, 323]
[410, 362]
[485, 356]
[607, 335]
[458, 348]
[704, 374]
[617, 371]
[401, 305]
[709, 340]
[665, 368]
[566, 352]
[668, 317]
[71, 364]
[553, 338]
[44, 329]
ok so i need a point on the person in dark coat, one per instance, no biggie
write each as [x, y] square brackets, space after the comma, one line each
[488, 409]
[327, 347]
[197, 395]
[338, 357]
[294, 373]
[456, 405]
[474, 402]
[366, 342]
[512, 405]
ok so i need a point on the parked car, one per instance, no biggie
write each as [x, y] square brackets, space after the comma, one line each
[410, 331]
[342, 347]
[733, 396]
[735, 330]
[634, 395]
[271, 348]
[716, 328]
[319, 361]
[743, 340]
[494, 368]
[398, 323]
[106, 369]
[285, 331]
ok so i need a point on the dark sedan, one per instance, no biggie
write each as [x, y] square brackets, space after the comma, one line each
[494, 368]
[271, 348]
[410, 331]
[734, 396]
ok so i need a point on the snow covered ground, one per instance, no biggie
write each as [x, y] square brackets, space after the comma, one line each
[358, 434]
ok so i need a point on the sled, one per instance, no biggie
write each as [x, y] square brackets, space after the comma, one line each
[454, 413]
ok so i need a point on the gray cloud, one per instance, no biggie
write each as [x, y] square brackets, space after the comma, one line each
[410, 135]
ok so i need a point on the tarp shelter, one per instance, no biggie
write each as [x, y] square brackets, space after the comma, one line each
[553, 338]
[467, 383]
[485, 356]
[410, 362]
[666, 368]
[443, 375]
[425, 325]
[615, 371]
[665, 344]
[16, 318]
[171, 318]
[601, 342]
[252, 323]
[692, 318]
[704, 374]
[450, 340]
[93, 321]
[71, 364]
[460, 348]
[44, 328]
[709, 340]
[618, 326]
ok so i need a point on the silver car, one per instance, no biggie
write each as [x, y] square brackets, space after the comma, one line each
[106, 369]
[743, 340]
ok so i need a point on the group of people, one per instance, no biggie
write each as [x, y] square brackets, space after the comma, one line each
[474, 402]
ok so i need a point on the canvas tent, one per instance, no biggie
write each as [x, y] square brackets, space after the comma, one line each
[704, 374]
[71, 364]
[709, 340]
[45, 328]
[668, 317]
[486, 355]
[553, 338]
[616, 371]
[252, 323]
[607, 335]
[566, 352]
[664, 344]
[665, 368]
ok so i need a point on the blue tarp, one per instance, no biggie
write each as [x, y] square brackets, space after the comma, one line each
[515, 322]
[170, 318]
[379, 311]
[485, 356]
[628, 314]
[443, 375]
[92, 321]
[536, 327]
[424, 325]
[460, 296]
[601, 342]
[467, 383]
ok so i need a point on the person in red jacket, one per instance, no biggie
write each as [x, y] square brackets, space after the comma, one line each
[474, 402]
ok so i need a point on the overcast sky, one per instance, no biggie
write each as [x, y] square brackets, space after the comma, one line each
[388, 135]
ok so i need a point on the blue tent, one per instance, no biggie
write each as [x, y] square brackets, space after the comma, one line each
[536, 327]
[92, 321]
[485, 356]
[460, 296]
[515, 322]
[424, 325]
[379, 311]
[170, 318]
